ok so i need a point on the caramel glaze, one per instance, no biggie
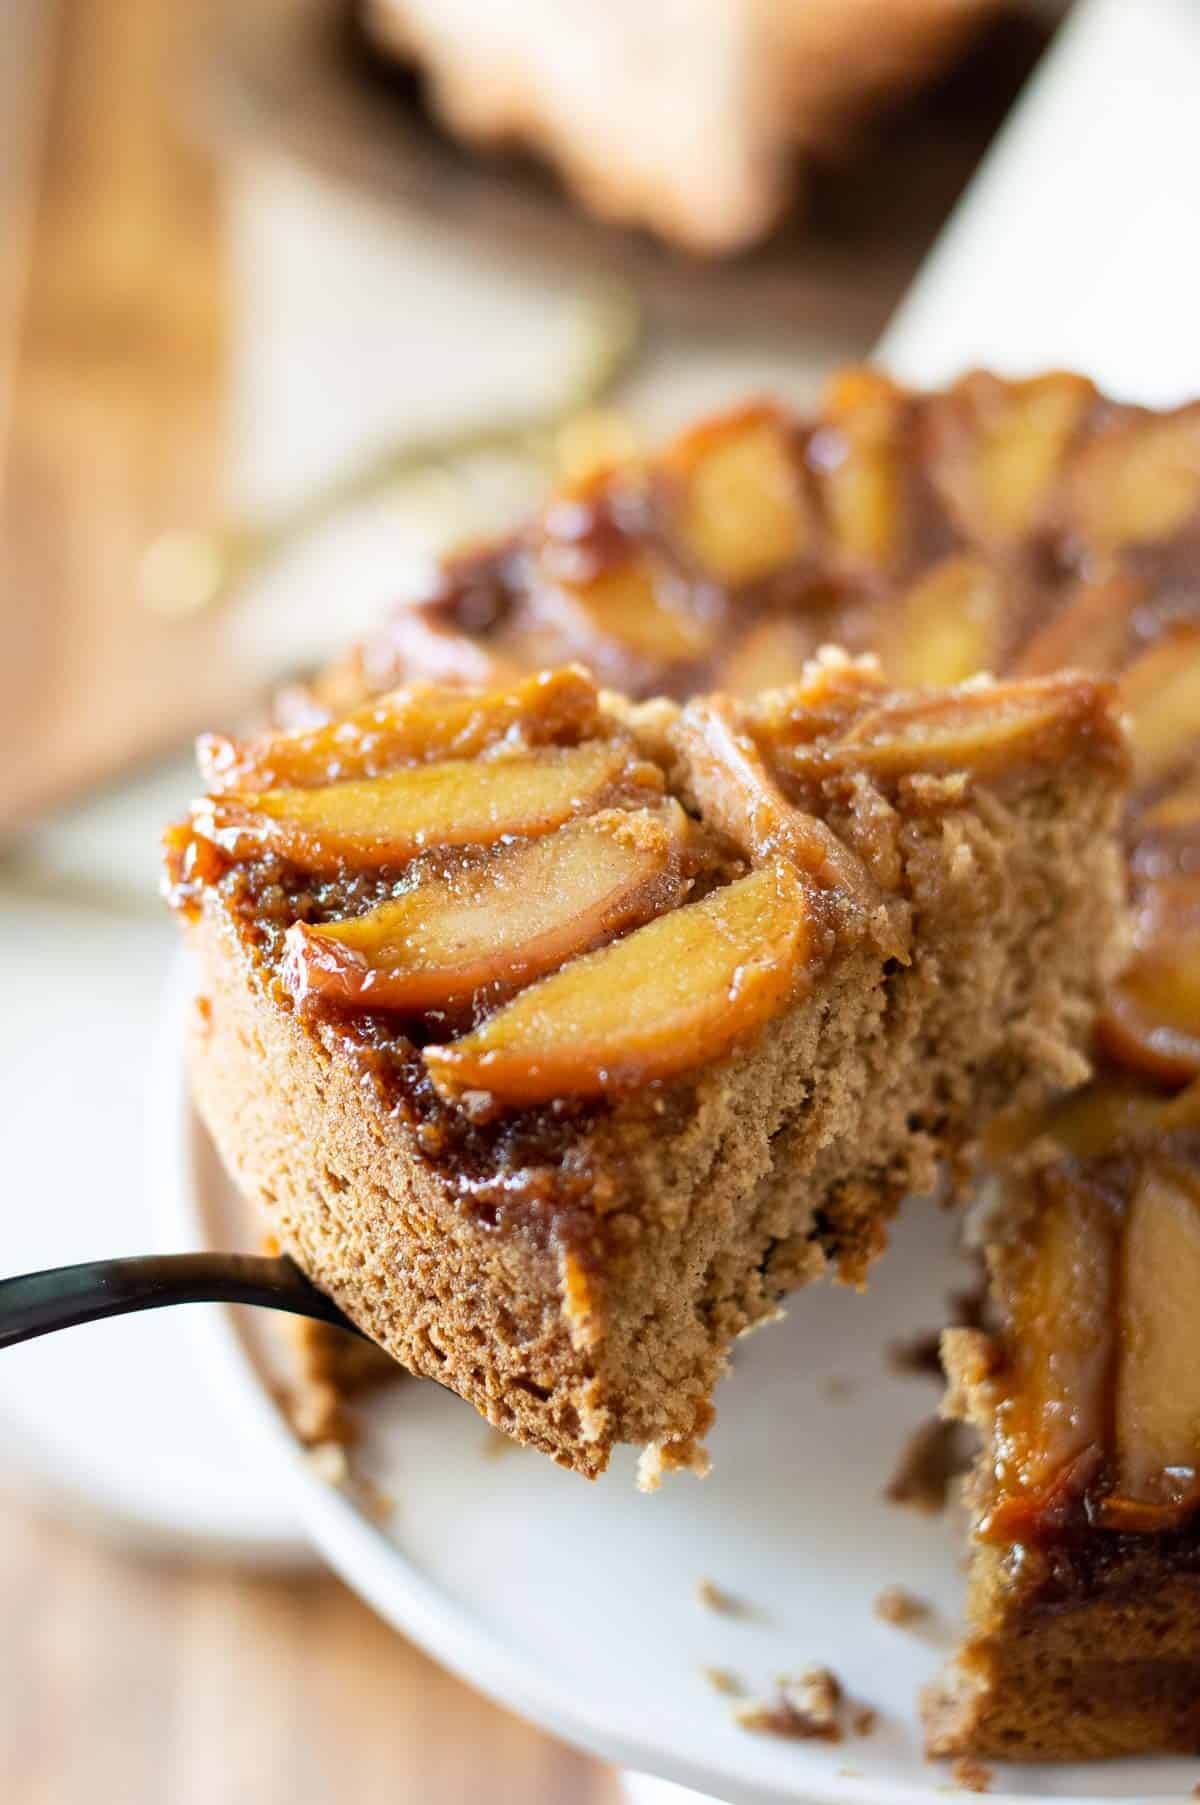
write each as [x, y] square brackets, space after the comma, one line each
[511, 1165]
[527, 1170]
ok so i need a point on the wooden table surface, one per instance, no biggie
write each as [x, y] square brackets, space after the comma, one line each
[127, 1680]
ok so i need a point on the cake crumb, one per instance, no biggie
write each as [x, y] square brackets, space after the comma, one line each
[919, 1355]
[714, 1598]
[863, 1719]
[807, 1708]
[895, 1605]
[838, 1388]
[970, 1774]
[681, 1456]
[316, 1414]
[915, 1356]
[934, 1454]
[327, 1460]
[721, 1680]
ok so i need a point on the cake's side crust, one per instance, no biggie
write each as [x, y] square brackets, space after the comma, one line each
[1115, 1671]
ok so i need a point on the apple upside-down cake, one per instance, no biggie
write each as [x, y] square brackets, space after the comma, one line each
[1016, 527]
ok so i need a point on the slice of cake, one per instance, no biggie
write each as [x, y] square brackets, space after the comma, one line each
[689, 119]
[559, 1037]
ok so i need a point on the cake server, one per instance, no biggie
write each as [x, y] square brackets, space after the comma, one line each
[37, 1303]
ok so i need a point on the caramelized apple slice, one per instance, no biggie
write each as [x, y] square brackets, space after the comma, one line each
[742, 514]
[980, 729]
[770, 654]
[999, 471]
[943, 629]
[505, 920]
[1161, 692]
[1104, 1118]
[1151, 1017]
[391, 819]
[427, 643]
[626, 606]
[737, 795]
[856, 455]
[1139, 482]
[1090, 632]
[1158, 1384]
[1177, 813]
[667, 998]
[409, 726]
[1057, 1282]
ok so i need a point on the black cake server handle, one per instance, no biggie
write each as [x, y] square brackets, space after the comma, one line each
[37, 1303]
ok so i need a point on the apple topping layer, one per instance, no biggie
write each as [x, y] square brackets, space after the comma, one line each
[561, 1037]
[1014, 527]
[703, 976]
[503, 920]
[1097, 1415]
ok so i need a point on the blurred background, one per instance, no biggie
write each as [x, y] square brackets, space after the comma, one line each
[276, 328]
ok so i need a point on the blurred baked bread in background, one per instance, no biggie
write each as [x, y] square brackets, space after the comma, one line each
[692, 118]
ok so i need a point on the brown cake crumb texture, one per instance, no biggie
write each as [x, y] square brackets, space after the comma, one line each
[971, 1775]
[933, 1456]
[808, 1707]
[716, 1598]
[896, 1605]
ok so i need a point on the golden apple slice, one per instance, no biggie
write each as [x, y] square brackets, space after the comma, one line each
[738, 795]
[771, 653]
[389, 820]
[1151, 1016]
[667, 998]
[980, 729]
[1140, 482]
[743, 513]
[409, 726]
[1161, 692]
[427, 643]
[1057, 1283]
[506, 919]
[856, 456]
[1000, 469]
[1177, 813]
[944, 628]
[1090, 632]
[1158, 1383]
[1103, 1118]
[622, 611]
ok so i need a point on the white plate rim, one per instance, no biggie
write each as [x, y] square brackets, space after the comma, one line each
[394, 1586]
